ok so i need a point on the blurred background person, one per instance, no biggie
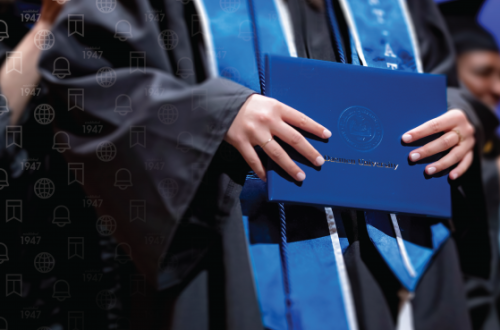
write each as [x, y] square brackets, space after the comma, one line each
[59, 270]
[478, 68]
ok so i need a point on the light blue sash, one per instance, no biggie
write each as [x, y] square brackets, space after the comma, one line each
[383, 34]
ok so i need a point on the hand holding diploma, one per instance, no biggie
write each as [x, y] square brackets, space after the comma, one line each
[459, 137]
[259, 119]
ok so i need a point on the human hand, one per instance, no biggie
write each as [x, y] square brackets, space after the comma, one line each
[459, 136]
[259, 119]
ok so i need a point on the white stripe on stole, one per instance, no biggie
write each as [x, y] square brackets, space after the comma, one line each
[286, 25]
[346, 9]
[402, 248]
[405, 316]
[213, 71]
[413, 35]
[345, 285]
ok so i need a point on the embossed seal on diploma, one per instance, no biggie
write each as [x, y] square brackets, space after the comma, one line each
[360, 128]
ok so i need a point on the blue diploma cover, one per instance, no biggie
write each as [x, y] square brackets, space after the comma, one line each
[367, 110]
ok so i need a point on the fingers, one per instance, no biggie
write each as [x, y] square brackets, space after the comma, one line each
[454, 156]
[298, 119]
[442, 123]
[298, 142]
[276, 152]
[463, 166]
[445, 142]
[250, 155]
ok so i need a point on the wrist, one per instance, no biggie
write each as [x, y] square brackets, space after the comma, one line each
[41, 25]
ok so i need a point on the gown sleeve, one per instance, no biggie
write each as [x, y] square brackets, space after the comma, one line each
[10, 156]
[132, 113]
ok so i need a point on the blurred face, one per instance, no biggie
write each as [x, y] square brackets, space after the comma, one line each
[480, 72]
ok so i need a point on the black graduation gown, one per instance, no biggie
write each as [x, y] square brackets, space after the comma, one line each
[484, 292]
[34, 297]
[191, 245]
[198, 272]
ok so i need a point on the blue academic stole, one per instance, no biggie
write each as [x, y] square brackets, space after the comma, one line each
[295, 290]
[383, 37]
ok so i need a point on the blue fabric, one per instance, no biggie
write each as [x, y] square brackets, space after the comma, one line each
[268, 280]
[235, 52]
[378, 224]
[382, 23]
[315, 285]
[269, 32]
[314, 281]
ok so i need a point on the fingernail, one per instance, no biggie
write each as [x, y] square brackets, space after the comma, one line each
[406, 138]
[327, 134]
[301, 176]
[453, 176]
[415, 156]
[431, 170]
[320, 161]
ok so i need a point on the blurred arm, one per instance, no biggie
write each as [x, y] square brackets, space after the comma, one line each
[11, 83]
